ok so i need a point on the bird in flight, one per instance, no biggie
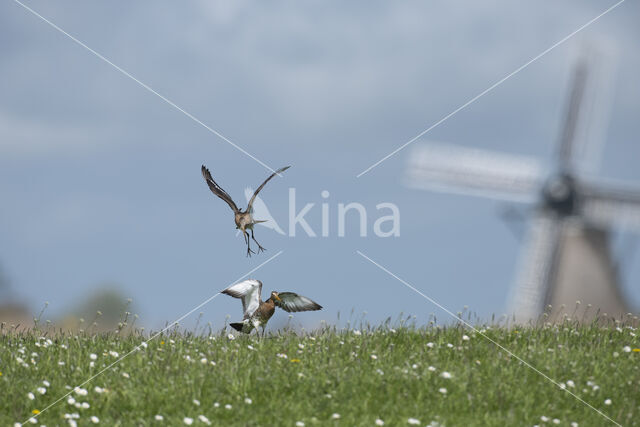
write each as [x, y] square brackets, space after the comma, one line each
[244, 220]
[257, 313]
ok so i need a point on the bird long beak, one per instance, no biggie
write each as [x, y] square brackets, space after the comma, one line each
[277, 297]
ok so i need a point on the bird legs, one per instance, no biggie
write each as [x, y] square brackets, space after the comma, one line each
[260, 248]
[246, 236]
[246, 240]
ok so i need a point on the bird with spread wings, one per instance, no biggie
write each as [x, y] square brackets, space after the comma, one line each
[256, 312]
[244, 220]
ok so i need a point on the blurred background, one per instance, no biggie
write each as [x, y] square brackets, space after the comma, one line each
[101, 193]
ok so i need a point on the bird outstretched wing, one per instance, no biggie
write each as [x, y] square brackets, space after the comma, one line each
[249, 292]
[217, 190]
[263, 184]
[293, 302]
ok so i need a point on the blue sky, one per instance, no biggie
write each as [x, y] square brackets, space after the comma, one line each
[100, 179]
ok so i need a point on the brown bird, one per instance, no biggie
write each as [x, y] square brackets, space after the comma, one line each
[244, 220]
[257, 313]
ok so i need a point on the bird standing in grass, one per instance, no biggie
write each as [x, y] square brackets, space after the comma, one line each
[257, 313]
[244, 220]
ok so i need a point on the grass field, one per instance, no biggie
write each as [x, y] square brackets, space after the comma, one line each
[447, 375]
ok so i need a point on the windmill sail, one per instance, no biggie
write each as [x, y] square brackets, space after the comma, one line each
[537, 267]
[454, 169]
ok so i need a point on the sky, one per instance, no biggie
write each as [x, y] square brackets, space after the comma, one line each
[100, 178]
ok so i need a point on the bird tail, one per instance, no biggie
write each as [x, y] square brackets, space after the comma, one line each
[239, 326]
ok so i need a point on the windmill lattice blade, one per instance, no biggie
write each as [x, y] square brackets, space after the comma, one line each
[454, 169]
[597, 100]
[611, 207]
[537, 267]
[567, 136]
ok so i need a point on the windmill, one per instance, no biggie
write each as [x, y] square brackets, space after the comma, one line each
[566, 256]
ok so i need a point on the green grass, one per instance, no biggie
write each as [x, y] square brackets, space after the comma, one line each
[380, 373]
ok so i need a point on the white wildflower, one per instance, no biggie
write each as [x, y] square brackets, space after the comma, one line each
[555, 421]
[607, 402]
[31, 396]
[85, 405]
[113, 353]
[299, 424]
[98, 389]
[41, 390]
[413, 421]
[94, 419]
[335, 416]
[124, 374]
[431, 369]
[465, 338]
[196, 402]
[248, 401]
[442, 390]
[227, 406]
[357, 332]
[379, 422]
[626, 349]
[204, 419]
[71, 400]
[80, 391]
[188, 421]
[231, 337]
[446, 375]
[159, 418]
[374, 357]
[93, 356]
[430, 344]
[46, 383]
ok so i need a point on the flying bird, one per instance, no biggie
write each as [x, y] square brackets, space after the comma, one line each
[244, 220]
[261, 211]
[257, 313]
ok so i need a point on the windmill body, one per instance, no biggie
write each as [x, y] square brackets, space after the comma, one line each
[566, 256]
